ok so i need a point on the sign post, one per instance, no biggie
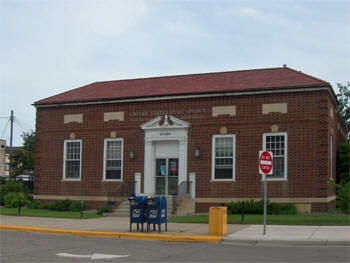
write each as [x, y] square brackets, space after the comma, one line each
[265, 168]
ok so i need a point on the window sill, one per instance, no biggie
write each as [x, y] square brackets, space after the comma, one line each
[112, 180]
[275, 180]
[222, 180]
[71, 180]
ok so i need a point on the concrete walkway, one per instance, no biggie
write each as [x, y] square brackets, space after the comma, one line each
[119, 227]
[292, 235]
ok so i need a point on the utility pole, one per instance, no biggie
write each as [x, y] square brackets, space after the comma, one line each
[11, 137]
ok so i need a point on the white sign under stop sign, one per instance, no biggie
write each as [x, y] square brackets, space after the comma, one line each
[265, 162]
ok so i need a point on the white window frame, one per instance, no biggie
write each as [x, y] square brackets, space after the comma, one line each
[285, 153]
[213, 145]
[65, 159]
[105, 159]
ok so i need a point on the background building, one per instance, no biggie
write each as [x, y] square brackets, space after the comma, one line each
[191, 137]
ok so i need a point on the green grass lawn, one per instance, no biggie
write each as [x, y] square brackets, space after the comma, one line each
[300, 220]
[46, 213]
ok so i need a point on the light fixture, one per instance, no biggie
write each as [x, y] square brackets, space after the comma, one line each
[196, 152]
[132, 154]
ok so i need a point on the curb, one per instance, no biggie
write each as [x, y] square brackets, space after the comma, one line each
[159, 237]
[286, 242]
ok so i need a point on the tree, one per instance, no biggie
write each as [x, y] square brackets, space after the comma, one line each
[344, 103]
[343, 163]
[22, 160]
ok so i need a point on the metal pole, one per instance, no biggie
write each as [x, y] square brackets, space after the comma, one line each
[81, 209]
[11, 138]
[265, 202]
[242, 212]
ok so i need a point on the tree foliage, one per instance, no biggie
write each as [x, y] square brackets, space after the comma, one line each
[22, 160]
[344, 103]
[343, 163]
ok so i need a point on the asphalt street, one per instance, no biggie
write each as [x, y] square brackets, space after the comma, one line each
[32, 247]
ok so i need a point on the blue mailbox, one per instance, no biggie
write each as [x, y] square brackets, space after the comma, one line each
[137, 211]
[156, 212]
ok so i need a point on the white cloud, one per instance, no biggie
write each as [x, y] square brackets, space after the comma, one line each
[248, 12]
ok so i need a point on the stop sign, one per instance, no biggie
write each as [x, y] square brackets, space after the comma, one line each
[265, 162]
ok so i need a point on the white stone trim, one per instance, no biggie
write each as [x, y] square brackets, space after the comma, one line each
[274, 107]
[68, 118]
[172, 129]
[224, 110]
[110, 116]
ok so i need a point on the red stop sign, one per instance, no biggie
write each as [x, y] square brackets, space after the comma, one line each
[265, 162]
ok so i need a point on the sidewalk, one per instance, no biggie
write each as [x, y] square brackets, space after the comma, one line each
[119, 227]
[292, 235]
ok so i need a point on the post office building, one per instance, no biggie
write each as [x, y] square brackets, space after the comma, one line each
[192, 138]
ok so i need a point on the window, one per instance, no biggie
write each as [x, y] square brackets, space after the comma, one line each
[72, 159]
[113, 156]
[223, 157]
[277, 144]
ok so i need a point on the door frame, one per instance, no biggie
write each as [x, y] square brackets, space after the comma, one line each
[155, 131]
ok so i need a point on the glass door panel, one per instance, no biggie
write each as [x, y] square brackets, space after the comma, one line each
[167, 176]
[173, 175]
[161, 176]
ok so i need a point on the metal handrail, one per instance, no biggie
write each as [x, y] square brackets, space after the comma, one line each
[125, 189]
[184, 189]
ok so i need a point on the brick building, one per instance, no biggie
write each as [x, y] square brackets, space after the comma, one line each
[195, 136]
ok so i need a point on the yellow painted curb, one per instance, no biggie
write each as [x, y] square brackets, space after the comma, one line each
[167, 238]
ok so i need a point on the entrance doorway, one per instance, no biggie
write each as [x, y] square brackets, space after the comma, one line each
[167, 176]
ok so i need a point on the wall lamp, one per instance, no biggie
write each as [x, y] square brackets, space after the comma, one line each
[132, 154]
[196, 152]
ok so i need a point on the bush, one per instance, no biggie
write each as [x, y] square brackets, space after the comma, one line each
[103, 209]
[257, 207]
[343, 197]
[60, 205]
[10, 186]
[15, 199]
[75, 206]
[34, 205]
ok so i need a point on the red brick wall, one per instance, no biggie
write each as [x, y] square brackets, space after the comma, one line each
[307, 124]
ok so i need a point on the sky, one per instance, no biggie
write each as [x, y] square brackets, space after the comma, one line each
[51, 46]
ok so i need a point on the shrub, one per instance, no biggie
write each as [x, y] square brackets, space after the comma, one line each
[10, 186]
[75, 206]
[103, 209]
[343, 197]
[60, 205]
[34, 205]
[257, 207]
[15, 199]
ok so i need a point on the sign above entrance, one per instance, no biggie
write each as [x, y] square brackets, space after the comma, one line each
[192, 113]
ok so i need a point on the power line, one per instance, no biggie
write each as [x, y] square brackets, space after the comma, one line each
[5, 128]
[23, 125]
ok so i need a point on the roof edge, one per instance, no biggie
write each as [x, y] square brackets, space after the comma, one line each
[190, 95]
